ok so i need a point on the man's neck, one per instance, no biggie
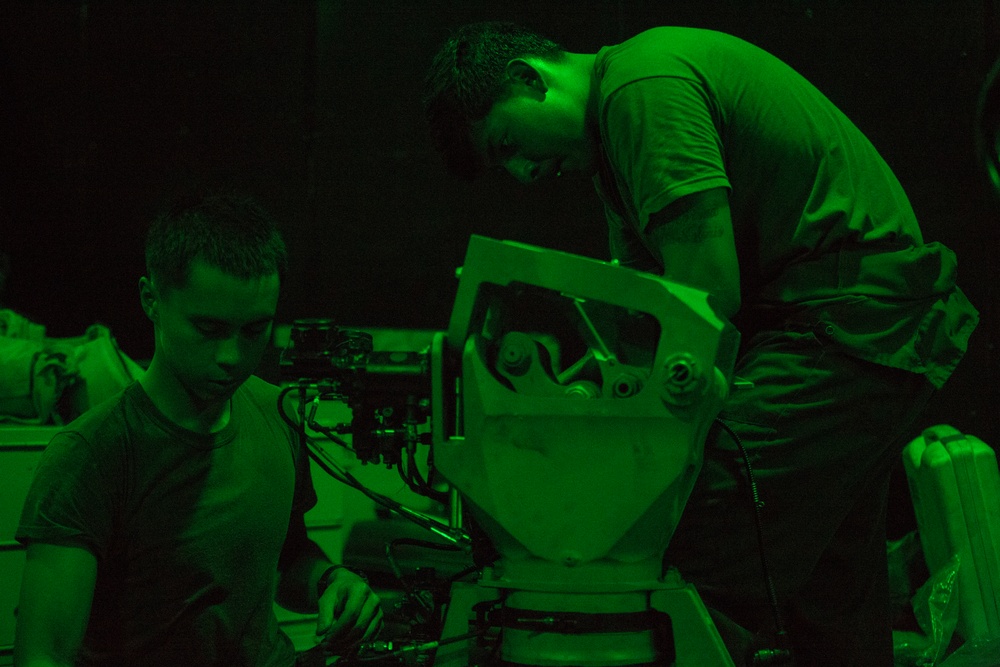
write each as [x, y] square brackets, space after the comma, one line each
[580, 67]
[180, 406]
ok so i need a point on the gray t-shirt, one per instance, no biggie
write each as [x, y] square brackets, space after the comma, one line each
[187, 528]
[825, 234]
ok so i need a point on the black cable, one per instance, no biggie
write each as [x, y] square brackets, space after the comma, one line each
[421, 648]
[404, 473]
[772, 595]
[299, 426]
[413, 470]
[317, 454]
[281, 407]
[419, 483]
[398, 572]
[331, 468]
[330, 434]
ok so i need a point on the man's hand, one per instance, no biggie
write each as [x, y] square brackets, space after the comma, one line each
[349, 611]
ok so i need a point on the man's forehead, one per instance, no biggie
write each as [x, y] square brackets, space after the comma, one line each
[229, 313]
[235, 320]
[215, 293]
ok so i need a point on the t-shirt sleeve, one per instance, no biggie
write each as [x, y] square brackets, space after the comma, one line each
[305, 492]
[662, 138]
[297, 537]
[626, 246]
[304, 498]
[71, 499]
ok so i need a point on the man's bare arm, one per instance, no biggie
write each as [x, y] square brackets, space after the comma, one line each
[694, 236]
[57, 590]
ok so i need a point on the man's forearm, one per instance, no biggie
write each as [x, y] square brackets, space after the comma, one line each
[697, 247]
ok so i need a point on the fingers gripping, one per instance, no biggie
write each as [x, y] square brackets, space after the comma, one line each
[349, 611]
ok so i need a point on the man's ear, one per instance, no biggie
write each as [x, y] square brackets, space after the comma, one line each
[521, 71]
[148, 299]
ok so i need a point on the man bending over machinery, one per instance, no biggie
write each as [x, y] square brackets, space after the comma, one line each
[720, 167]
[162, 524]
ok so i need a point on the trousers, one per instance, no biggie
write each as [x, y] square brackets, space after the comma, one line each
[822, 431]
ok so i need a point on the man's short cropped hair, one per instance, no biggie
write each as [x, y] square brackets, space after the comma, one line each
[466, 78]
[231, 232]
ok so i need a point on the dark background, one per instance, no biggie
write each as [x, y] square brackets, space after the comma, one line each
[111, 109]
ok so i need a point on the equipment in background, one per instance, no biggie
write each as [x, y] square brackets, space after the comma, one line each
[955, 486]
[987, 135]
[568, 405]
[54, 380]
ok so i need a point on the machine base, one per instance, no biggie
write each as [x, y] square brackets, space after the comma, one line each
[691, 637]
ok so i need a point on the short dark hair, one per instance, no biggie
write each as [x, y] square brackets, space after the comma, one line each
[231, 232]
[466, 78]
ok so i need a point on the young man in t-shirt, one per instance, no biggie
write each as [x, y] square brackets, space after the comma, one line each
[163, 523]
[720, 167]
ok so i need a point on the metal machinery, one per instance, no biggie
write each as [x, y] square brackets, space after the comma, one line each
[568, 404]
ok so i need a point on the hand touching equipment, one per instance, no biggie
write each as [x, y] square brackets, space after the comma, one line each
[349, 610]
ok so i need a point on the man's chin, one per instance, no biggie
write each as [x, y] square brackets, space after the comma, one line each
[210, 391]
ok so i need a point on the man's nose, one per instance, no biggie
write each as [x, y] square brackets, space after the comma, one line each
[228, 352]
[523, 169]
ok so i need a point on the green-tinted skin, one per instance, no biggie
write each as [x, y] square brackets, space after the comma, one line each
[210, 336]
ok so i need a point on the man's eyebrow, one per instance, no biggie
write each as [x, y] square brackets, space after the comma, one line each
[215, 321]
[206, 319]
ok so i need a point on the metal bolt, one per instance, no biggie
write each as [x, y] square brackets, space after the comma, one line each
[626, 385]
[515, 356]
[680, 373]
[583, 389]
[682, 378]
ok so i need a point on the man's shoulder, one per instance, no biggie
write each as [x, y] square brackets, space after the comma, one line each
[672, 51]
[259, 388]
[679, 36]
[666, 41]
[261, 396]
[84, 459]
[105, 419]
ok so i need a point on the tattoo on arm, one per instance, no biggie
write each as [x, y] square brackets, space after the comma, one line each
[687, 229]
[690, 219]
